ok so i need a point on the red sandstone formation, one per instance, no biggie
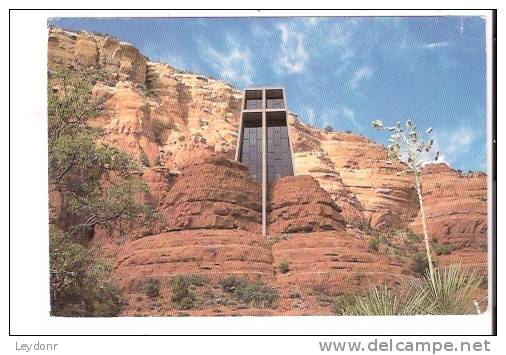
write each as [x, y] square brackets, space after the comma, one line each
[299, 204]
[356, 173]
[215, 193]
[210, 252]
[455, 206]
[338, 262]
[84, 50]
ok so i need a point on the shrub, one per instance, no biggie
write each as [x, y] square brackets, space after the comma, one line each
[420, 264]
[153, 288]
[380, 301]
[374, 243]
[329, 128]
[144, 159]
[411, 237]
[443, 249]
[365, 227]
[80, 285]
[231, 283]
[182, 295]
[294, 295]
[283, 267]
[452, 292]
[254, 294]
[341, 302]
[110, 303]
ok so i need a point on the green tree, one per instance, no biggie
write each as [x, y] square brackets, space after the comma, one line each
[79, 284]
[97, 186]
[409, 147]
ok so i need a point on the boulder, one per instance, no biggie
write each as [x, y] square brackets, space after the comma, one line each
[299, 204]
[216, 193]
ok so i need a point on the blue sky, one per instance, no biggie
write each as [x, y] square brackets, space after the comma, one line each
[338, 71]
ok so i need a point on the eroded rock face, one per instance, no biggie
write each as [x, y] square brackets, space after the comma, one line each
[85, 50]
[213, 253]
[335, 263]
[126, 121]
[356, 173]
[214, 193]
[455, 206]
[171, 118]
[191, 115]
[156, 113]
[299, 204]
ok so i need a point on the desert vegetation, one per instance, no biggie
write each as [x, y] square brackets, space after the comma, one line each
[153, 288]
[91, 186]
[80, 285]
[451, 293]
[253, 294]
[408, 146]
[400, 242]
[183, 290]
[283, 267]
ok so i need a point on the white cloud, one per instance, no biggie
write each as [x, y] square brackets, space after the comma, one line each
[340, 35]
[259, 31]
[360, 75]
[349, 114]
[340, 41]
[311, 115]
[233, 64]
[293, 53]
[460, 141]
[453, 146]
[313, 20]
[175, 61]
[436, 45]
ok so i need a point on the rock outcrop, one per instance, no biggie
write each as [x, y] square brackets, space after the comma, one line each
[215, 193]
[455, 206]
[333, 263]
[216, 253]
[299, 204]
[85, 50]
[356, 172]
[156, 113]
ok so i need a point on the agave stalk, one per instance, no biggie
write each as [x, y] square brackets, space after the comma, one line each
[425, 232]
[407, 146]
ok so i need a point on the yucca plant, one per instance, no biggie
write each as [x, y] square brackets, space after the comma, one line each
[381, 301]
[452, 292]
[408, 146]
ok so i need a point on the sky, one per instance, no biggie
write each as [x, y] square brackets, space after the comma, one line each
[339, 71]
